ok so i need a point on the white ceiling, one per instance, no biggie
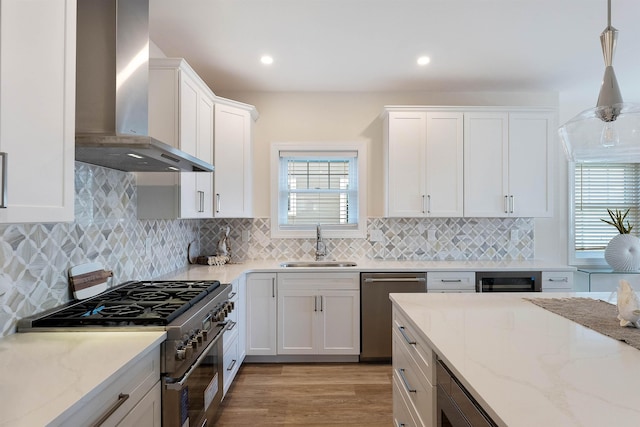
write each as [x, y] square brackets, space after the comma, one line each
[372, 45]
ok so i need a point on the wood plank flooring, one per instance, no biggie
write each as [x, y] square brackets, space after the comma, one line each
[331, 394]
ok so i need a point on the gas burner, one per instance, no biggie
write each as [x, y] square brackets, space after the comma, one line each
[120, 311]
[148, 295]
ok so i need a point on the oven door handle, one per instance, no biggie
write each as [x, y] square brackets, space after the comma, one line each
[173, 384]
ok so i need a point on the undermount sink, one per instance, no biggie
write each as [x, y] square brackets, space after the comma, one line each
[319, 264]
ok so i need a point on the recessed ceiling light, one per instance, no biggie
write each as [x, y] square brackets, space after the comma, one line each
[266, 59]
[423, 60]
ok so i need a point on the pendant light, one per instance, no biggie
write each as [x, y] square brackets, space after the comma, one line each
[610, 132]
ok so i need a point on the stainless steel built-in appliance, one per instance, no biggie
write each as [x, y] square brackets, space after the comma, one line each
[509, 281]
[375, 310]
[191, 312]
[455, 407]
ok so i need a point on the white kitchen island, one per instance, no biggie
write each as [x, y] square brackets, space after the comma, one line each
[525, 365]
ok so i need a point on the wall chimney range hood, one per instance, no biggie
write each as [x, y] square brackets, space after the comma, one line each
[112, 78]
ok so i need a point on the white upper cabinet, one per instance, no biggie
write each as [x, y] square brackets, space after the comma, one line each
[507, 161]
[37, 110]
[424, 164]
[181, 111]
[233, 159]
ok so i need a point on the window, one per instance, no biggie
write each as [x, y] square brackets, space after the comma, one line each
[598, 187]
[318, 184]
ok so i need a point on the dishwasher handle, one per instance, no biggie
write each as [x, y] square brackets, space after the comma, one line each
[394, 279]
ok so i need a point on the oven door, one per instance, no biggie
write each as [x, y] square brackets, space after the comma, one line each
[193, 400]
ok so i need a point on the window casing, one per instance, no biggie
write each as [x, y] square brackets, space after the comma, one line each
[318, 184]
[596, 187]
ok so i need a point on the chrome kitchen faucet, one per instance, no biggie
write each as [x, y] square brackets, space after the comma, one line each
[321, 248]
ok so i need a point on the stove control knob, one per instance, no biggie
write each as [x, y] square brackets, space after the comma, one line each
[198, 337]
[194, 342]
[205, 335]
[181, 353]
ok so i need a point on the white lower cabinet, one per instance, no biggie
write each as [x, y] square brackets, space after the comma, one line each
[132, 398]
[318, 313]
[233, 338]
[261, 306]
[414, 391]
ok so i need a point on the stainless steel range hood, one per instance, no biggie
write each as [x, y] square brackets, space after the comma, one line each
[112, 76]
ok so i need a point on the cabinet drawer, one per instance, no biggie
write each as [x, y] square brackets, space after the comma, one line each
[559, 281]
[403, 411]
[414, 346]
[134, 382]
[230, 363]
[413, 384]
[451, 280]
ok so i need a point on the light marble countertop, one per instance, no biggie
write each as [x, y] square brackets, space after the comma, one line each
[527, 366]
[227, 273]
[46, 375]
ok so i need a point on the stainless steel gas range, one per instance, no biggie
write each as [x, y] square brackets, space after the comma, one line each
[192, 313]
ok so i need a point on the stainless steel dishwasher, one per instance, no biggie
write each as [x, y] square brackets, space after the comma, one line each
[375, 310]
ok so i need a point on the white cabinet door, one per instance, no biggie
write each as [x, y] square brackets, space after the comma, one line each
[444, 164]
[507, 164]
[340, 322]
[424, 164]
[232, 160]
[531, 137]
[318, 313]
[261, 314]
[486, 169]
[181, 115]
[405, 140]
[37, 109]
[297, 320]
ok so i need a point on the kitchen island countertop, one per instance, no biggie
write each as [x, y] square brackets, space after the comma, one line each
[525, 365]
[48, 375]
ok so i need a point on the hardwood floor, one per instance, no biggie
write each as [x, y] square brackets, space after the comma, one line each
[332, 394]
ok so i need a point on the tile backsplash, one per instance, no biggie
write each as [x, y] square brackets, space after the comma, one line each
[35, 257]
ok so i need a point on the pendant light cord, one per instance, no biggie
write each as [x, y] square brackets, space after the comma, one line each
[608, 13]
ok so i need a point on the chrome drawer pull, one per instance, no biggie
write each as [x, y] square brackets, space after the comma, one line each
[405, 382]
[406, 337]
[451, 280]
[232, 294]
[231, 325]
[563, 279]
[121, 399]
[395, 279]
[233, 363]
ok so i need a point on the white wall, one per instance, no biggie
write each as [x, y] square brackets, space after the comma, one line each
[356, 116]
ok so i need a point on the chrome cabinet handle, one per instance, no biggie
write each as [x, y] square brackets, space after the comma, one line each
[315, 303]
[231, 325]
[217, 202]
[512, 203]
[560, 279]
[3, 187]
[201, 201]
[428, 203]
[233, 363]
[273, 287]
[506, 203]
[405, 336]
[423, 209]
[405, 382]
[122, 397]
[232, 294]
[321, 303]
[451, 280]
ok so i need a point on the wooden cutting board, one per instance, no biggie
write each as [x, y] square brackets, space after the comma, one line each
[88, 280]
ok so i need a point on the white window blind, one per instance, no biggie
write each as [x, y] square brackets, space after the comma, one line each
[318, 188]
[598, 187]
